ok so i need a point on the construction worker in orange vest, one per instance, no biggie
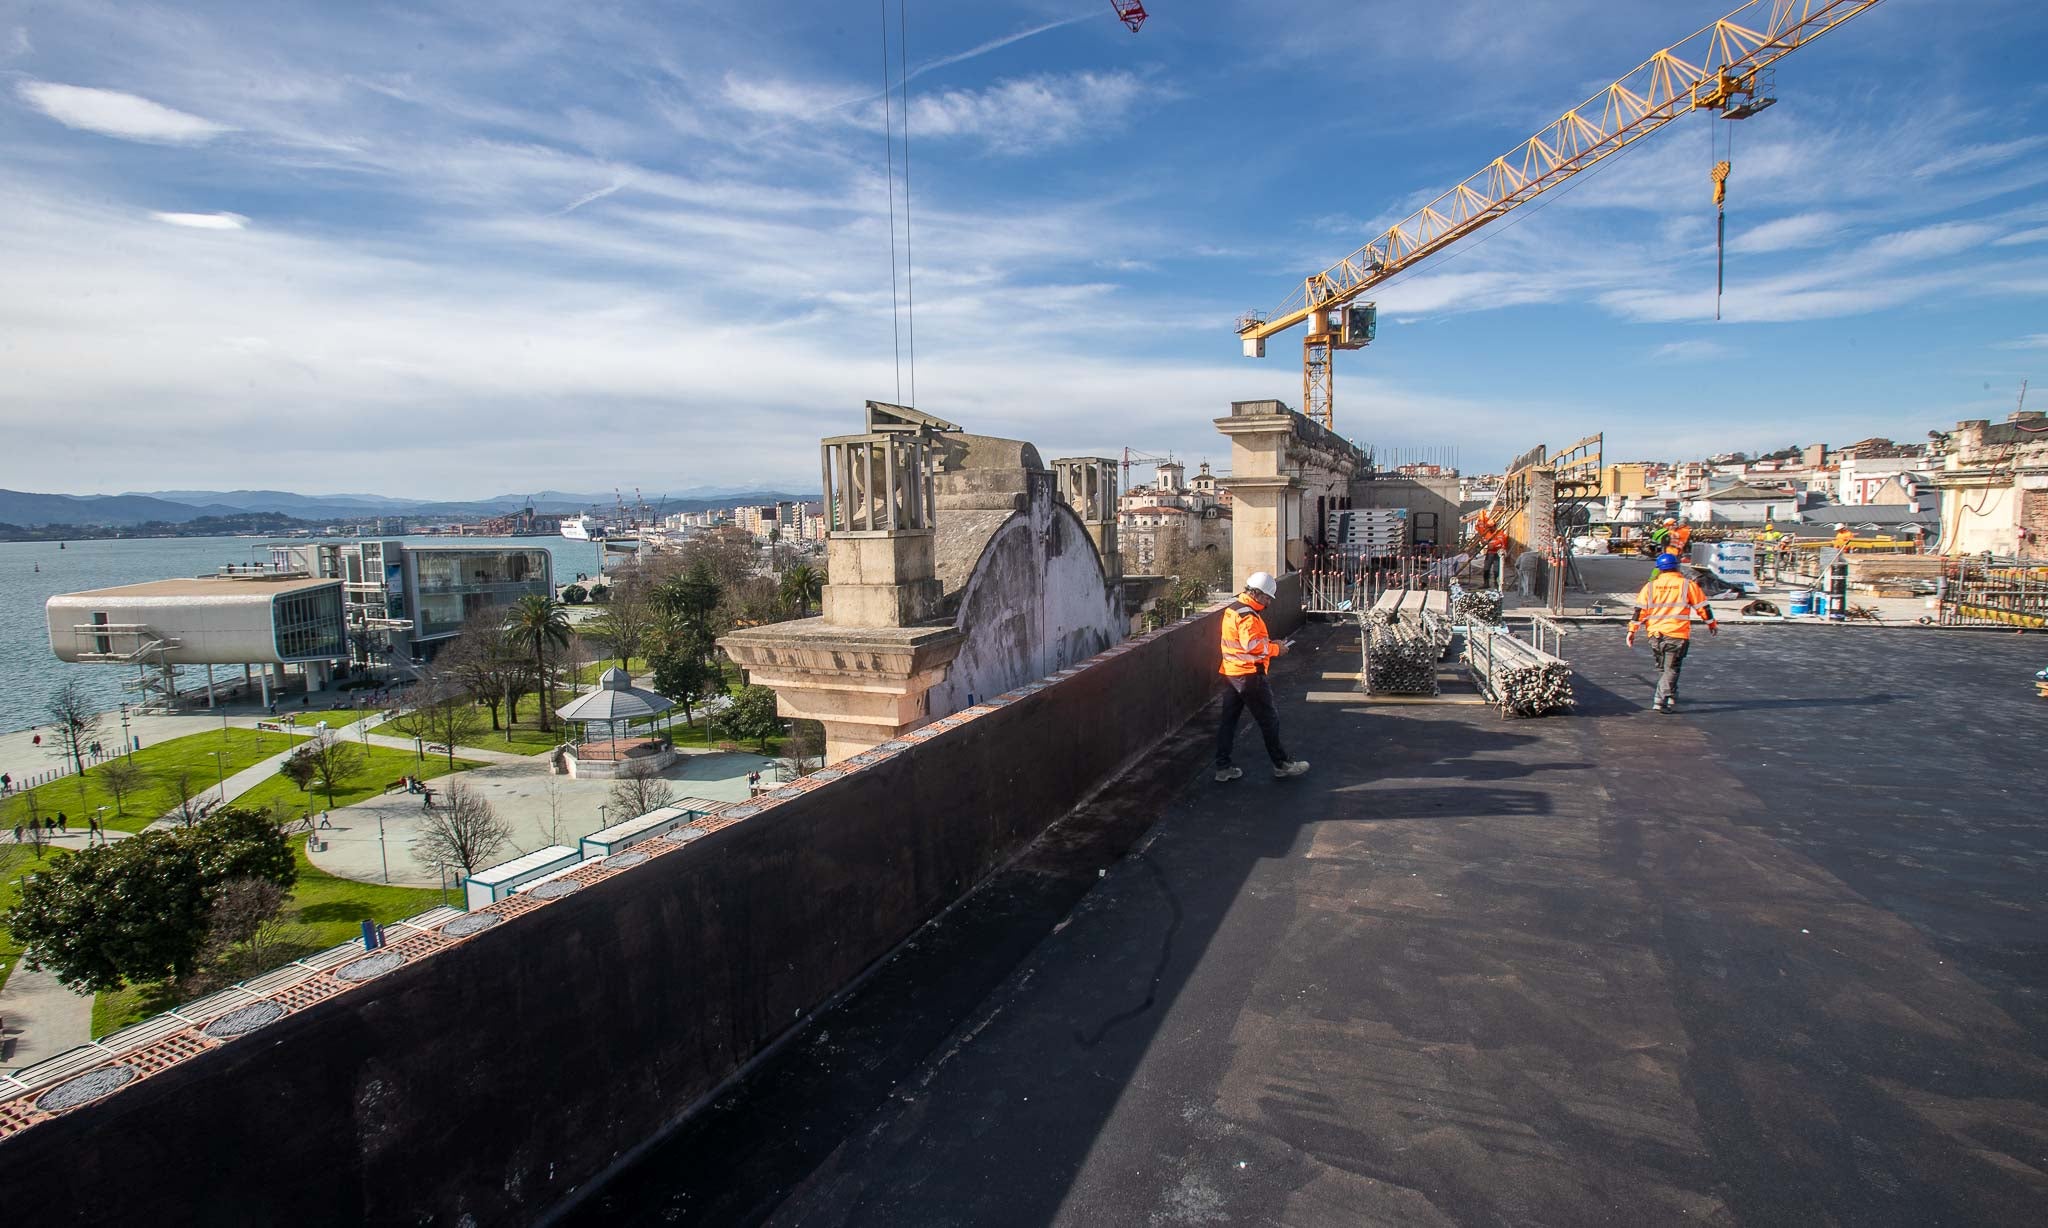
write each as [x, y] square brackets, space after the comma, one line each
[1246, 650]
[1681, 539]
[1665, 608]
[1843, 536]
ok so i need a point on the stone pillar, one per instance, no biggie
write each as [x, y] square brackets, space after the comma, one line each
[1089, 485]
[864, 668]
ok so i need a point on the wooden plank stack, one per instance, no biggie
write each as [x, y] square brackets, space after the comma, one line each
[1522, 679]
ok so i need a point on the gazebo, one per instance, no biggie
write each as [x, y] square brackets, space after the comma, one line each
[616, 702]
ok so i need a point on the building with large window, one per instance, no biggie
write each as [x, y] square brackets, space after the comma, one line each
[403, 601]
[274, 623]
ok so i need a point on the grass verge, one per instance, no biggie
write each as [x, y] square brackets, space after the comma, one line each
[170, 772]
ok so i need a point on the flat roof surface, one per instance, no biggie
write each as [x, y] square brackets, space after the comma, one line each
[210, 586]
[1778, 959]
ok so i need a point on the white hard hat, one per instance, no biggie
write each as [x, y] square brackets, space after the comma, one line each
[1261, 582]
[1841, 526]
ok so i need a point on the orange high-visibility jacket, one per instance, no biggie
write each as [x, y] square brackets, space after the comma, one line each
[1666, 605]
[1843, 537]
[1246, 647]
[1681, 537]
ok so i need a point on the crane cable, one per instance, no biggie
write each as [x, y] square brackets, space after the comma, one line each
[902, 306]
[889, 154]
[909, 267]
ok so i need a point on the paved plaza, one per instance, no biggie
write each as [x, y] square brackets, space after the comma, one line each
[539, 807]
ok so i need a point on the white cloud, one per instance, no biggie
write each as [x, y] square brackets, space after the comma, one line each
[2035, 341]
[1694, 350]
[113, 113]
[2038, 234]
[1028, 113]
[1788, 233]
[18, 42]
[204, 221]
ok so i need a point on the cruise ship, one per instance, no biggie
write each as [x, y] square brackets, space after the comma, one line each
[583, 528]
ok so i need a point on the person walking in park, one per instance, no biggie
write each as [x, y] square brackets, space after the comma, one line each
[1246, 650]
[17, 833]
[92, 830]
[63, 823]
[1665, 608]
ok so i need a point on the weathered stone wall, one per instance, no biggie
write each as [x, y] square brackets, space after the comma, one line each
[489, 1076]
[1036, 602]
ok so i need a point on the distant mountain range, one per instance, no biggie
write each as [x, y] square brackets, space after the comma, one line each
[182, 506]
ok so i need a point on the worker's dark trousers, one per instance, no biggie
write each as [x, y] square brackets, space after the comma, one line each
[1669, 653]
[1248, 691]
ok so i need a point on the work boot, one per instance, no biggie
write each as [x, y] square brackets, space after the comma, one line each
[1669, 707]
[1228, 773]
[1293, 767]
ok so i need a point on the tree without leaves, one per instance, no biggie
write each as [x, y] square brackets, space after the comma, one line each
[450, 719]
[245, 912]
[122, 776]
[636, 791]
[626, 624]
[74, 720]
[335, 762]
[806, 746]
[461, 835]
[187, 809]
[488, 667]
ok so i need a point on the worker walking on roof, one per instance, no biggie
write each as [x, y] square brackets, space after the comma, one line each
[1665, 608]
[1246, 650]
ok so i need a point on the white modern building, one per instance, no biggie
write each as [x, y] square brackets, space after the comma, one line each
[261, 619]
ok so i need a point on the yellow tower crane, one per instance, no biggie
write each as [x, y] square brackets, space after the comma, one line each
[1722, 67]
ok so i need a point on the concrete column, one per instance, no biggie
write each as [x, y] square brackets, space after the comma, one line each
[264, 678]
[209, 684]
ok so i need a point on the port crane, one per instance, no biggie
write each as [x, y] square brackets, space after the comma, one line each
[1723, 68]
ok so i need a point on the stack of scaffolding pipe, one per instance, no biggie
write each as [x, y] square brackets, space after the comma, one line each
[1522, 679]
[1400, 654]
[1476, 605]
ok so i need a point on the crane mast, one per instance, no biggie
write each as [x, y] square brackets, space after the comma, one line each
[1721, 67]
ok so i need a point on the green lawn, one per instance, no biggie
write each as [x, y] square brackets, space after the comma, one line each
[160, 790]
[335, 717]
[383, 765]
[323, 911]
[525, 738]
[15, 861]
[589, 674]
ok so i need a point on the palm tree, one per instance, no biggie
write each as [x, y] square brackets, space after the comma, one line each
[801, 585]
[538, 620]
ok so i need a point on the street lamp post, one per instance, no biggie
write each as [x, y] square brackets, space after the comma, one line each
[220, 777]
[103, 826]
[127, 743]
[382, 856]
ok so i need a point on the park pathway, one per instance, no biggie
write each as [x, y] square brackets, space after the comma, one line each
[39, 1016]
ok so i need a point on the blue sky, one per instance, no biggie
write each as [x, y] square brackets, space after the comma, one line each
[453, 250]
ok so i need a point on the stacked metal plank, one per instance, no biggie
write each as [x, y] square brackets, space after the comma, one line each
[1523, 679]
[1371, 532]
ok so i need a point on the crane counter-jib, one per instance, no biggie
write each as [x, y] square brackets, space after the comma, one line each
[1715, 68]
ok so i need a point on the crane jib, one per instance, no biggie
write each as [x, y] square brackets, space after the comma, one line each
[1673, 82]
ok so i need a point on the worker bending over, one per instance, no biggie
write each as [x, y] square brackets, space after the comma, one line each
[1665, 608]
[1246, 650]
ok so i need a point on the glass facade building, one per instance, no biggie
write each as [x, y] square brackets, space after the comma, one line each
[453, 584]
[307, 626]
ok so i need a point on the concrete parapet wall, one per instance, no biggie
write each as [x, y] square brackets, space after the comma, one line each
[489, 1076]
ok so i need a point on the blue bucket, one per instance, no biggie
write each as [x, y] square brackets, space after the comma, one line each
[1802, 602]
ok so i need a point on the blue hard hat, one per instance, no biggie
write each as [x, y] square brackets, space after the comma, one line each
[1667, 562]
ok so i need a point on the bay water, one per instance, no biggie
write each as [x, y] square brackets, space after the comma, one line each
[32, 572]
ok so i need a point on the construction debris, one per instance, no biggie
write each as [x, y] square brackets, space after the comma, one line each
[1522, 679]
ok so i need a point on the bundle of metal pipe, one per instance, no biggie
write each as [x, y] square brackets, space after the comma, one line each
[1476, 605]
[1522, 679]
[1400, 654]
